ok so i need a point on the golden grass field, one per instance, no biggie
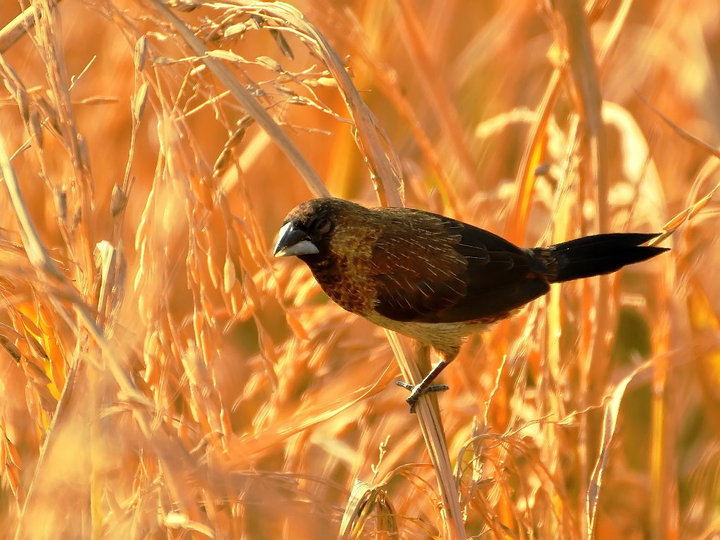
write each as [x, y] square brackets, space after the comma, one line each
[163, 376]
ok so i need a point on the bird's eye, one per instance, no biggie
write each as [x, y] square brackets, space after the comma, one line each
[323, 226]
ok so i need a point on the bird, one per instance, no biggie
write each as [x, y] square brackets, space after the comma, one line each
[433, 278]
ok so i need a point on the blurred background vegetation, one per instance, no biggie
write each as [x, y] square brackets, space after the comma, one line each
[162, 376]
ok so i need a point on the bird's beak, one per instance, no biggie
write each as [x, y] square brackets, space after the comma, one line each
[292, 241]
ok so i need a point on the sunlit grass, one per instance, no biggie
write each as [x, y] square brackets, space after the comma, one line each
[163, 376]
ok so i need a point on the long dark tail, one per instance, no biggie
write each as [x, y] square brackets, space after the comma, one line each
[595, 255]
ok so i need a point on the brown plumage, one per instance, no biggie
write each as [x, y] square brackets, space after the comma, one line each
[434, 278]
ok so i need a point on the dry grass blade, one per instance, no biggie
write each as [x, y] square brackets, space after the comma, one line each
[367, 502]
[682, 217]
[683, 133]
[39, 257]
[170, 378]
[34, 248]
[583, 68]
[532, 156]
[47, 269]
[437, 90]
[610, 418]
[428, 415]
[251, 105]
[17, 28]
[368, 133]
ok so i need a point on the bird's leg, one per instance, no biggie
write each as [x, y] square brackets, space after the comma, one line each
[425, 386]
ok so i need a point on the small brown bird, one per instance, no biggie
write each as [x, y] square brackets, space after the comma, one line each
[433, 278]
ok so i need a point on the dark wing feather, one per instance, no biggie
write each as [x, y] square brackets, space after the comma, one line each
[443, 270]
[509, 279]
[416, 272]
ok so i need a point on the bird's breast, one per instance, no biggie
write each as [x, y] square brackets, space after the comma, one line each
[346, 285]
[344, 273]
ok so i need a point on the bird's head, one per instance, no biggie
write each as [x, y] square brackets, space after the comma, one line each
[309, 227]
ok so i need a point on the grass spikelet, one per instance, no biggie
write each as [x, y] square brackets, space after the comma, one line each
[162, 375]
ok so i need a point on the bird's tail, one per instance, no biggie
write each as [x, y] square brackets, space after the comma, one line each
[595, 255]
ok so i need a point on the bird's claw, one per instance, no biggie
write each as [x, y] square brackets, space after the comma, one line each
[418, 390]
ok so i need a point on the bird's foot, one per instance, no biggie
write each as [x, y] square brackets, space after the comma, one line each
[419, 390]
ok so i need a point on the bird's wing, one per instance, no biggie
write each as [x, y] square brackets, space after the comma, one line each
[414, 278]
[430, 268]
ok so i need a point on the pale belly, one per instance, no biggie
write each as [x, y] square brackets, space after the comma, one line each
[445, 337]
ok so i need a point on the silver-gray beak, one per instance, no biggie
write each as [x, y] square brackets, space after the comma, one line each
[292, 241]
